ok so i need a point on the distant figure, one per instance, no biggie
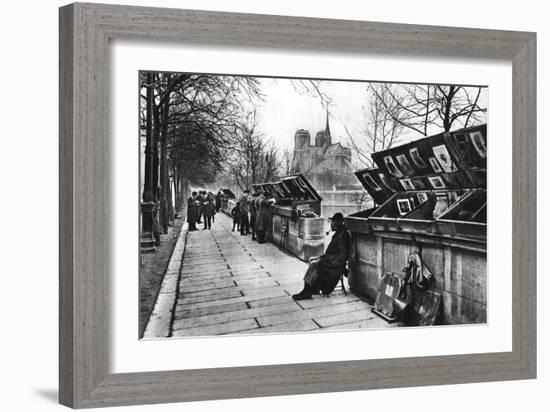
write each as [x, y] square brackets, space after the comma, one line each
[219, 200]
[200, 200]
[192, 212]
[253, 214]
[236, 213]
[243, 206]
[263, 216]
[209, 212]
[324, 271]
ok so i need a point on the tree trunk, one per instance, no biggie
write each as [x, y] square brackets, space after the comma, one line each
[164, 183]
[147, 207]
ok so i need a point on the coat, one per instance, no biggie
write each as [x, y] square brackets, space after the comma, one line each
[263, 219]
[209, 209]
[192, 212]
[236, 213]
[333, 263]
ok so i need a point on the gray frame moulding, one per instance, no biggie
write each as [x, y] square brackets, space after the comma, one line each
[85, 31]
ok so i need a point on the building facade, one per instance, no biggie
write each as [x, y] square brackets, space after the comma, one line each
[326, 164]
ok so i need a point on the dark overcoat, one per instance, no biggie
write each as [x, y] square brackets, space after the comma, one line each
[263, 218]
[192, 213]
[333, 263]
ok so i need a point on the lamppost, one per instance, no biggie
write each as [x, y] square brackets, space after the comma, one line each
[147, 240]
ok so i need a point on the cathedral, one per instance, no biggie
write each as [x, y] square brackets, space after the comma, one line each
[327, 165]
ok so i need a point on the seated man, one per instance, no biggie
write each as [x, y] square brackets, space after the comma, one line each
[324, 272]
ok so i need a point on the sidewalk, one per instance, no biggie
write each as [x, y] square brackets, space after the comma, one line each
[219, 282]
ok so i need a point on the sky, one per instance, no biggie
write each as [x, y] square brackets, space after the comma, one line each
[285, 109]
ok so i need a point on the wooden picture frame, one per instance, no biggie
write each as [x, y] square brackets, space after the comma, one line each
[85, 31]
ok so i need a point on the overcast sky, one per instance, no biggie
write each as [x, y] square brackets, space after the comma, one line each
[286, 109]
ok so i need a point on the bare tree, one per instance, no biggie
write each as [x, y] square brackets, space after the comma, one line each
[193, 120]
[270, 164]
[383, 116]
[359, 198]
[247, 152]
[395, 111]
[287, 161]
[440, 106]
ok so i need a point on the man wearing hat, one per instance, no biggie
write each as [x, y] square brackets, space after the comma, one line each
[324, 272]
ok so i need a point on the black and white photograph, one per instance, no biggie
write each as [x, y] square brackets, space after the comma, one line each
[407, 184]
[279, 205]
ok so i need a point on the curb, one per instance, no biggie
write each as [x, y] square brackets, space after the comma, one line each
[159, 321]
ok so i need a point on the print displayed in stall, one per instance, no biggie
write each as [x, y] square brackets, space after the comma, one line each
[442, 155]
[416, 158]
[404, 164]
[384, 181]
[371, 182]
[407, 184]
[392, 168]
[404, 206]
[479, 143]
[422, 197]
[436, 182]
[435, 165]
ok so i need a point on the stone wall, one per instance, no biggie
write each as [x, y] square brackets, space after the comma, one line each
[460, 273]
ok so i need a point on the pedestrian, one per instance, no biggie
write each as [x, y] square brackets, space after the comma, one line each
[211, 197]
[324, 271]
[192, 212]
[209, 211]
[264, 216]
[218, 200]
[243, 206]
[253, 214]
[200, 200]
[236, 213]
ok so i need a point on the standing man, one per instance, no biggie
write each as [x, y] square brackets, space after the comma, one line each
[209, 211]
[324, 271]
[264, 216]
[253, 214]
[243, 206]
[200, 199]
[192, 212]
[218, 201]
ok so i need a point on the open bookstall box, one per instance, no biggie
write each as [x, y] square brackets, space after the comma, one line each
[431, 201]
[295, 222]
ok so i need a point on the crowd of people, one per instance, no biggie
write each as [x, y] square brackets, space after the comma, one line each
[202, 208]
[251, 214]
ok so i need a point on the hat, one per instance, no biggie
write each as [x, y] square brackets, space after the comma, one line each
[337, 217]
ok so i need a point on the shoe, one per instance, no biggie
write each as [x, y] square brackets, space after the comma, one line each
[303, 295]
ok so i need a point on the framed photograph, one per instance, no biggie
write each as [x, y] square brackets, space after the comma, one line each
[112, 106]
[371, 182]
[404, 164]
[417, 159]
[407, 184]
[437, 182]
[392, 168]
[444, 159]
[404, 206]
[422, 197]
[479, 144]
[435, 165]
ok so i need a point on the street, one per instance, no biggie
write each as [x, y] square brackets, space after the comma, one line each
[227, 283]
